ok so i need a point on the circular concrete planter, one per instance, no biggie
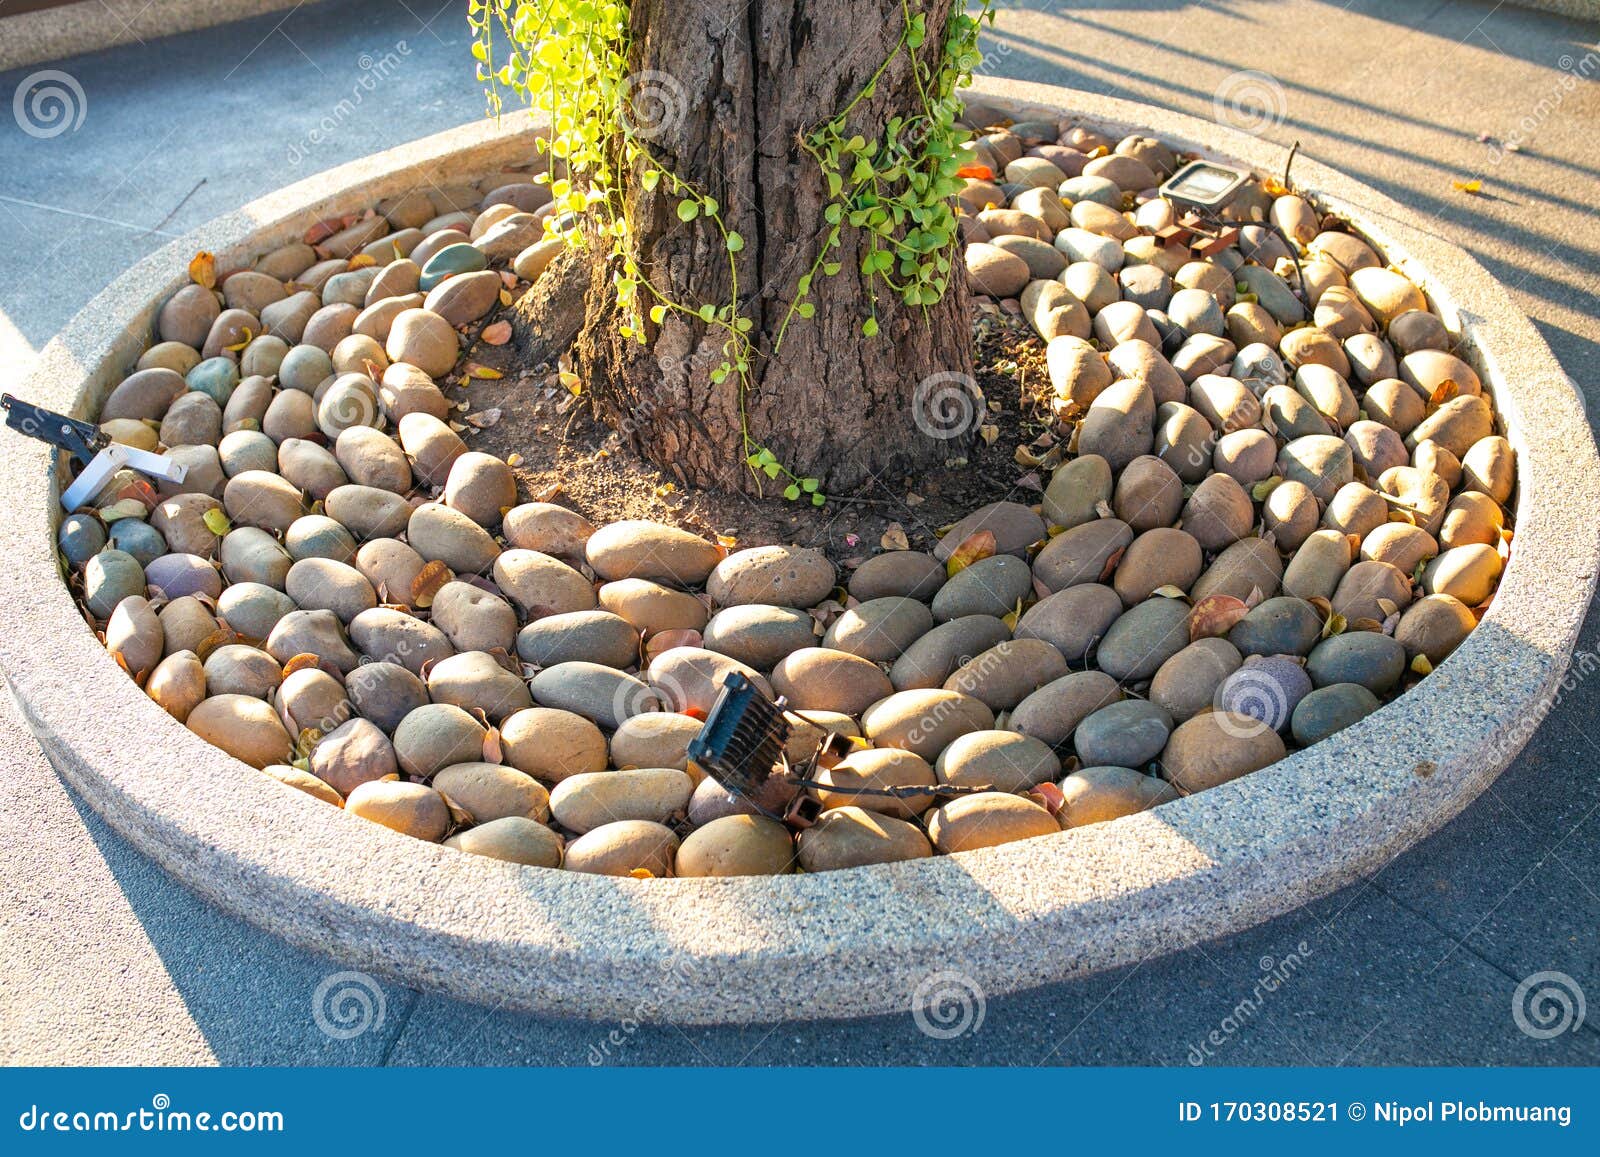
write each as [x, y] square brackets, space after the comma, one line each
[838, 944]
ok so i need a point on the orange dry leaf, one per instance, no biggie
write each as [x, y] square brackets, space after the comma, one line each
[975, 547]
[300, 662]
[203, 269]
[497, 333]
[979, 172]
[1214, 616]
[427, 583]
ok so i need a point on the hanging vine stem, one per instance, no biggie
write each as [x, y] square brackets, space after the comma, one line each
[569, 60]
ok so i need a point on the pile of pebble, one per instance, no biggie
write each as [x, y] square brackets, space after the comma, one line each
[1266, 516]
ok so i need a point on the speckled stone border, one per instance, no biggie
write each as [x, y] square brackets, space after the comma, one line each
[842, 944]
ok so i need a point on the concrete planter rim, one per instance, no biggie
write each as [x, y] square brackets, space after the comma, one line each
[840, 944]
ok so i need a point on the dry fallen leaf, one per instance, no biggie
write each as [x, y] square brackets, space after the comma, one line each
[300, 662]
[1472, 186]
[427, 583]
[894, 538]
[1443, 392]
[203, 269]
[976, 546]
[496, 333]
[482, 372]
[1048, 796]
[1214, 616]
[123, 508]
[483, 419]
[1265, 487]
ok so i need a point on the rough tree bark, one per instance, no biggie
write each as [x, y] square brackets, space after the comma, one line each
[737, 84]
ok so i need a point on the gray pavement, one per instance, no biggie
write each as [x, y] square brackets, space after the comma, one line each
[109, 962]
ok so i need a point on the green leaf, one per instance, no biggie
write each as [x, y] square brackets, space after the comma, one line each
[688, 210]
[818, 499]
[708, 312]
[870, 327]
[650, 179]
[735, 243]
[771, 469]
[791, 492]
[657, 312]
[809, 485]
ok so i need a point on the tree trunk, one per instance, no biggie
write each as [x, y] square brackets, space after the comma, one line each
[730, 88]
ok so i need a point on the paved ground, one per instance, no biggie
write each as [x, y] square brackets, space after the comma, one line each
[108, 962]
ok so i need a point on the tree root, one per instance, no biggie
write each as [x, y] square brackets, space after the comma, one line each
[546, 319]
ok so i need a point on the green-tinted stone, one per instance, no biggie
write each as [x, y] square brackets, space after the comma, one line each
[1330, 709]
[81, 537]
[215, 377]
[1371, 659]
[138, 538]
[449, 261]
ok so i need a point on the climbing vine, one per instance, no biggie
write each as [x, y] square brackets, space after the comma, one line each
[569, 59]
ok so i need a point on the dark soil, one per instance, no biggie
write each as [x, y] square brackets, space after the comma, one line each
[561, 453]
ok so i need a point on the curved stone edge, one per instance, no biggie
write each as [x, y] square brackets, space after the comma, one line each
[752, 950]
